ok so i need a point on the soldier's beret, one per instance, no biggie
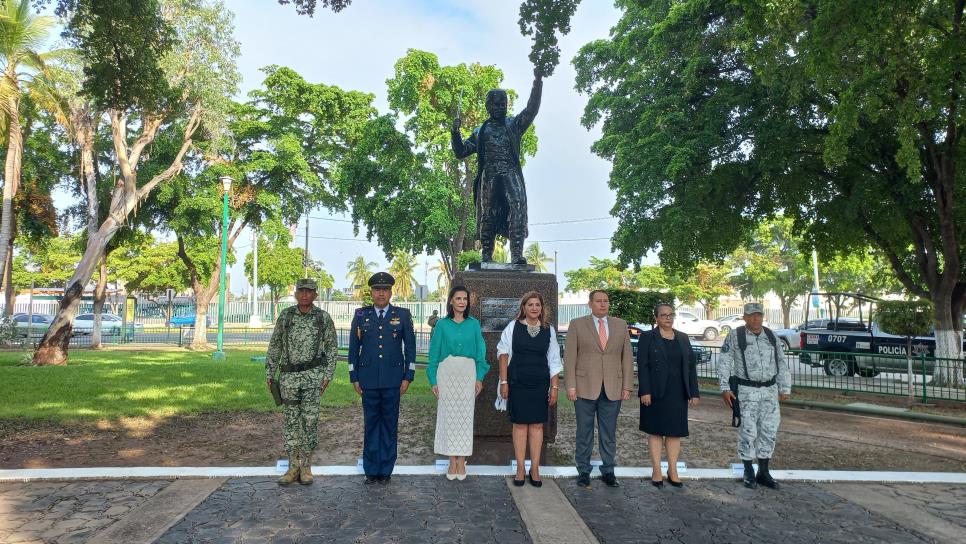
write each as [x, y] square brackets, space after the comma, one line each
[754, 308]
[306, 283]
[381, 280]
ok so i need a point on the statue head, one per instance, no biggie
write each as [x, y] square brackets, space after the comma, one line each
[496, 103]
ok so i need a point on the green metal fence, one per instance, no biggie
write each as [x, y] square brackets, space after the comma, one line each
[864, 373]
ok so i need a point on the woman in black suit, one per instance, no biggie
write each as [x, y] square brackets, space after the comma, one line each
[667, 373]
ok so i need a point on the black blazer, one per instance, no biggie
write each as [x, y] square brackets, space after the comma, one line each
[652, 365]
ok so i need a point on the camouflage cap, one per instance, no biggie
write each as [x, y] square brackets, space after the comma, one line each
[754, 308]
[306, 283]
[381, 280]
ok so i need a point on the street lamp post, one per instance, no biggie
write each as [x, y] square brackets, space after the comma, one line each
[219, 354]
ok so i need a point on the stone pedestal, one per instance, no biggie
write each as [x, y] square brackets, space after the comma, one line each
[495, 300]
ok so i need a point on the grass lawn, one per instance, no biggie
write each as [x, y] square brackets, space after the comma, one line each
[113, 384]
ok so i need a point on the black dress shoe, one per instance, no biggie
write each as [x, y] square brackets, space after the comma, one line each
[371, 479]
[657, 483]
[610, 480]
[534, 483]
[384, 480]
[583, 480]
[673, 483]
[519, 483]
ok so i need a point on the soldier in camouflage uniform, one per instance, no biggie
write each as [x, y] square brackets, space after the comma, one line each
[753, 355]
[303, 350]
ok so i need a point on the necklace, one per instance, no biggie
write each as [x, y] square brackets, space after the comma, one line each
[533, 330]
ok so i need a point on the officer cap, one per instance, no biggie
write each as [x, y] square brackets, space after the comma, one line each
[754, 308]
[306, 283]
[381, 280]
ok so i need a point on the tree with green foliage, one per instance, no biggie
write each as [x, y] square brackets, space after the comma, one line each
[50, 264]
[407, 188]
[861, 271]
[403, 269]
[21, 34]
[772, 261]
[192, 100]
[606, 273]
[543, 19]
[536, 257]
[845, 116]
[636, 306]
[358, 275]
[705, 284]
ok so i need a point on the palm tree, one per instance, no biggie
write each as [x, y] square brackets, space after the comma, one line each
[21, 33]
[536, 257]
[402, 269]
[442, 277]
[358, 276]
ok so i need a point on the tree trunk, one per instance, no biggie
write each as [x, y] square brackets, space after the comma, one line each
[11, 172]
[53, 346]
[949, 346]
[9, 292]
[203, 296]
[125, 198]
[100, 295]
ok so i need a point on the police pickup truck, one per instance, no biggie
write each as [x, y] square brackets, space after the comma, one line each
[857, 345]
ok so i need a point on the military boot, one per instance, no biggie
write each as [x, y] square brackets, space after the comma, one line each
[764, 477]
[292, 474]
[305, 469]
[749, 476]
[516, 252]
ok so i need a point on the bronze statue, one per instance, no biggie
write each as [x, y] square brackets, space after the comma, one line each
[498, 190]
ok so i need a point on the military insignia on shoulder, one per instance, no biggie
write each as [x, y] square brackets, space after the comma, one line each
[394, 321]
[725, 348]
[359, 312]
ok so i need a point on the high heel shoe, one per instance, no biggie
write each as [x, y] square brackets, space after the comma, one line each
[534, 483]
[462, 476]
[451, 477]
[678, 483]
[657, 483]
[519, 483]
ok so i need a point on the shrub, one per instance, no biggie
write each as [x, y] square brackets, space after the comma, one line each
[636, 306]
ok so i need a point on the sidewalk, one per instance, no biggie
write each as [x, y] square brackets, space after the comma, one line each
[480, 509]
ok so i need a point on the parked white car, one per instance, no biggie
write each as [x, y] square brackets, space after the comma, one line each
[110, 324]
[691, 325]
[732, 322]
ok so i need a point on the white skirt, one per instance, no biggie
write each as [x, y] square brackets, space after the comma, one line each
[456, 379]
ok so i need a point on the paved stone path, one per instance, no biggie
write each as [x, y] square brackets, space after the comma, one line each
[481, 509]
[67, 512]
[724, 511]
[344, 509]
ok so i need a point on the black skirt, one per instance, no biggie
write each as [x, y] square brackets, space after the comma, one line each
[529, 377]
[668, 415]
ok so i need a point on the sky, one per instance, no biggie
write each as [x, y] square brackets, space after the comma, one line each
[357, 48]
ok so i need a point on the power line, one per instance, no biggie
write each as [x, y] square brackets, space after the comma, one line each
[538, 241]
[560, 222]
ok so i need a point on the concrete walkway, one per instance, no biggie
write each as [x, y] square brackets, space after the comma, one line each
[429, 508]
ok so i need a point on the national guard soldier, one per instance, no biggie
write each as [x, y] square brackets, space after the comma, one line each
[752, 360]
[302, 350]
[382, 364]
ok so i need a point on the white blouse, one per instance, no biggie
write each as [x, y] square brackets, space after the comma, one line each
[505, 347]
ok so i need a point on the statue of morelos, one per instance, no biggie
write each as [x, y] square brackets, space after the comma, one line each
[498, 190]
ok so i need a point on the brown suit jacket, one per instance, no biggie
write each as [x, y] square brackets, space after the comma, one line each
[587, 367]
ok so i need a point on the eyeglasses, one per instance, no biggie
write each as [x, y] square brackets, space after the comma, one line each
[667, 316]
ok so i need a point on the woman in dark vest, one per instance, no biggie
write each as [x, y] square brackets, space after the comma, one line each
[667, 373]
[529, 364]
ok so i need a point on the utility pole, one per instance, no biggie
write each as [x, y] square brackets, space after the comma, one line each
[255, 319]
[305, 258]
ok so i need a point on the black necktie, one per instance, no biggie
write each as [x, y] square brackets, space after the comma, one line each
[380, 313]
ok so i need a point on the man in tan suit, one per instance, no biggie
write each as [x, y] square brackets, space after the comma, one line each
[598, 374]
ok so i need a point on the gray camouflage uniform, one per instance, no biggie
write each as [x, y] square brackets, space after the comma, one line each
[301, 389]
[760, 414]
